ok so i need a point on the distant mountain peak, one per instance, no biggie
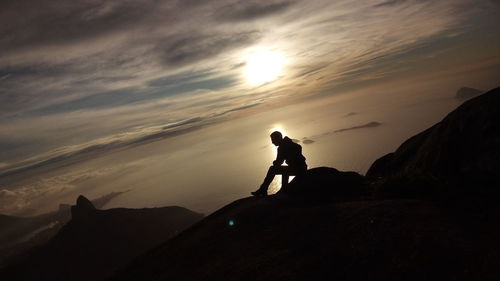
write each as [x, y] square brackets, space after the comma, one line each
[82, 208]
[83, 203]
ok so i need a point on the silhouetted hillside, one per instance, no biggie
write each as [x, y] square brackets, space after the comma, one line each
[19, 234]
[459, 156]
[326, 227]
[275, 238]
[95, 242]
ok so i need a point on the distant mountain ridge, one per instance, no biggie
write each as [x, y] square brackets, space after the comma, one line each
[95, 242]
[19, 234]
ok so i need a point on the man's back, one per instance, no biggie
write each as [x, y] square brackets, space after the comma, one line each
[291, 152]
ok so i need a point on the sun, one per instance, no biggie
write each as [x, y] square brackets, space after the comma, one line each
[263, 66]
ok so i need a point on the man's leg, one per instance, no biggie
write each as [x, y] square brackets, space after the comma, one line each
[288, 171]
[284, 180]
[273, 171]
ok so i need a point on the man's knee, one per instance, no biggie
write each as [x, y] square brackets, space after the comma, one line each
[278, 170]
[273, 170]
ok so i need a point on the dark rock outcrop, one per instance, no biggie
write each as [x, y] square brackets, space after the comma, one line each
[461, 152]
[325, 184]
[82, 209]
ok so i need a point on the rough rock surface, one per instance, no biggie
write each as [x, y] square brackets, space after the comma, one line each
[462, 150]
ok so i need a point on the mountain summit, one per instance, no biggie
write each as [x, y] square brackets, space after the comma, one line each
[82, 208]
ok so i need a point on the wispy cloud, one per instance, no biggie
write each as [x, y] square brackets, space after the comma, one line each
[139, 134]
[25, 199]
[251, 10]
[367, 125]
[191, 48]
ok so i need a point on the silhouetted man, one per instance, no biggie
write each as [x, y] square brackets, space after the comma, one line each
[287, 151]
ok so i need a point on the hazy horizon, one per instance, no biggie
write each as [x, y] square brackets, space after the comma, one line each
[173, 101]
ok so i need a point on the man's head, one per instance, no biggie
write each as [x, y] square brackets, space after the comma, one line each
[276, 138]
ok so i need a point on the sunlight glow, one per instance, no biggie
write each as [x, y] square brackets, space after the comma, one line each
[279, 128]
[263, 66]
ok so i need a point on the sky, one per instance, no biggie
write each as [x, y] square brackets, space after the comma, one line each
[173, 101]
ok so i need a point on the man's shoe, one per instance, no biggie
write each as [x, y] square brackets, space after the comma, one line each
[259, 193]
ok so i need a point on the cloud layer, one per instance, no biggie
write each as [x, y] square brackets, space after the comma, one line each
[74, 74]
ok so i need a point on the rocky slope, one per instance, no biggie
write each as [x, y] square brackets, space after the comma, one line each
[278, 238]
[459, 156]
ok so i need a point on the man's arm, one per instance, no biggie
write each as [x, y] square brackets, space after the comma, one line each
[280, 158]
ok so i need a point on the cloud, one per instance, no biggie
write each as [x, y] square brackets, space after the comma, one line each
[129, 96]
[350, 114]
[310, 140]
[307, 141]
[239, 108]
[66, 67]
[105, 199]
[310, 70]
[367, 125]
[20, 201]
[181, 78]
[101, 145]
[304, 141]
[198, 47]
[251, 10]
[53, 22]
[4, 76]
[24, 200]
[392, 3]
[134, 136]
